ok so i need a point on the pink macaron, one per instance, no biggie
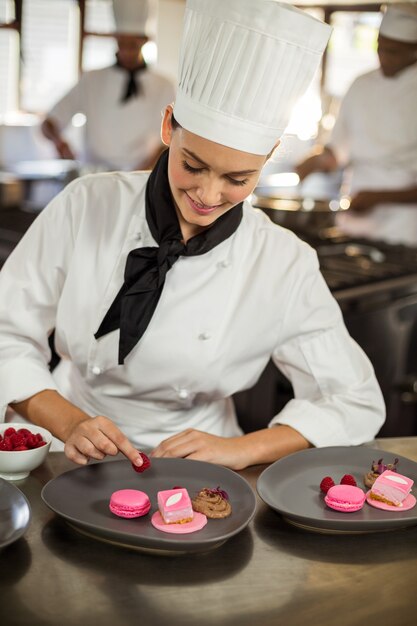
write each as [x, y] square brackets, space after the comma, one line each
[129, 503]
[345, 498]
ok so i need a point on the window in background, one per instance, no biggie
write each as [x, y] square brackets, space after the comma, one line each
[6, 11]
[9, 70]
[9, 55]
[98, 51]
[352, 49]
[49, 52]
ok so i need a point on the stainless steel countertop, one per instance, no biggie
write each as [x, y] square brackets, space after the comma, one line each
[269, 574]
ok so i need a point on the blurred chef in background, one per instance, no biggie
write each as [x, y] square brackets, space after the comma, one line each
[375, 137]
[122, 103]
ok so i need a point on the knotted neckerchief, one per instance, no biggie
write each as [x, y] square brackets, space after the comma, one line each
[133, 86]
[146, 268]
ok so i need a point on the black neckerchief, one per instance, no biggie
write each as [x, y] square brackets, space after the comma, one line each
[133, 86]
[146, 268]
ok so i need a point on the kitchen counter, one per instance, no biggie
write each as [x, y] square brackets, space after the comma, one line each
[269, 574]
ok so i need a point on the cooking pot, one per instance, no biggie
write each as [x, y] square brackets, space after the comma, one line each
[11, 191]
[300, 214]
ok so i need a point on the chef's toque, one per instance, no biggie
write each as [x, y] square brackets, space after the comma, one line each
[400, 22]
[243, 65]
[134, 17]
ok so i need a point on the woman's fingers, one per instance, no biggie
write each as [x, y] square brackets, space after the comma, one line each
[96, 438]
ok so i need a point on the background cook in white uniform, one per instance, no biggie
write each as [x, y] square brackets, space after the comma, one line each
[375, 138]
[223, 313]
[119, 135]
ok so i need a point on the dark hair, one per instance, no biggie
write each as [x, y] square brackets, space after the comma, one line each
[174, 123]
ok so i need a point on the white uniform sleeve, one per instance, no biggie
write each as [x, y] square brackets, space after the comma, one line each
[71, 103]
[337, 400]
[340, 140]
[30, 284]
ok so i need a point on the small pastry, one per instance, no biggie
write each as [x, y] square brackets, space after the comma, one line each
[129, 503]
[175, 506]
[214, 503]
[345, 498]
[391, 488]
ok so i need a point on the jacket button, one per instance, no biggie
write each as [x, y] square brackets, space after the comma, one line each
[137, 236]
[183, 394]
[204, 336]
[224, 264]
[96, 370]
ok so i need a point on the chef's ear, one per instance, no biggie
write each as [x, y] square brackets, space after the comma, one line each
[166, 127]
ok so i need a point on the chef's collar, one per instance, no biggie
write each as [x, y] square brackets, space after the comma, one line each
[133, 86]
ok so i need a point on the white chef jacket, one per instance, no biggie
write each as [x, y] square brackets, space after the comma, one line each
[376, 135]
[221, 316]
[117, 135]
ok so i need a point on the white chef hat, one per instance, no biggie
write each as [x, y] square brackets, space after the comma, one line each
[400, 22]
[243, 65]
[134, 17]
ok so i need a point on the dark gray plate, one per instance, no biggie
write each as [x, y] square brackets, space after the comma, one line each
[290, 486]
[82, 495]
[14, 513]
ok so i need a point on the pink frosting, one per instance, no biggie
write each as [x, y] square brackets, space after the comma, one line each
[129, 503]
[392, 486]
[175, 505]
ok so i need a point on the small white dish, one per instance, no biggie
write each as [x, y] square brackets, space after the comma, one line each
[17, 464]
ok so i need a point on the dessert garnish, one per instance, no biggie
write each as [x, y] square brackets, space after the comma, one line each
[214, 503]
[377, 468]
[145, 465]
[326, 483]
[348, 479]
[21, 439]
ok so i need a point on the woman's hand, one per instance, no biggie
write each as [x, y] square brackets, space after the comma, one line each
[200, 446]
[97, 437]
[262, 446]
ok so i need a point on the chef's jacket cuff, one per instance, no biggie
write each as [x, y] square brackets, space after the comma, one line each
[319, 427]
[20, 379]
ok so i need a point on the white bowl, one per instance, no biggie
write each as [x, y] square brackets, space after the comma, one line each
[16, 465]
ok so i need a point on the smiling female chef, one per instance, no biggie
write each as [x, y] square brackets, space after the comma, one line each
[169, 292]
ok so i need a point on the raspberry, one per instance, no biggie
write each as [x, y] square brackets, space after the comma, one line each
[21, 439]
[326, 483]
[24, 432]
[348, 480]
[17, 440]
[6, 445]
[146, 463]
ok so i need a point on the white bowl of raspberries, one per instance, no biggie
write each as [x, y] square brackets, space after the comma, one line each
[22, 449]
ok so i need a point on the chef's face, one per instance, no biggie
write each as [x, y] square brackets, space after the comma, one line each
[206, 178]
[129, 50]
[394, 56]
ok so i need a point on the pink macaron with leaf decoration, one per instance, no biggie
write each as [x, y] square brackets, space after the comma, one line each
[345, 498]
[129, 503]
